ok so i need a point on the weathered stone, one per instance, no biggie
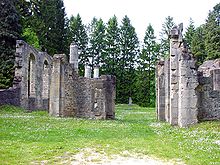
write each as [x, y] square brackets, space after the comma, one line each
[43, 82]
[160, 87]
[189, 95]
[96, 72]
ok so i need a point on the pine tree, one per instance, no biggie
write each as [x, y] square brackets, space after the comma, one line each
[50, 24]
[198, 45]
[212, 33]
[112, 47]
[164, 36]
[97, 43]
[77, 34]
[10, 30]
[129, 46]
[28, 33]
[190, 30]
[145, 83]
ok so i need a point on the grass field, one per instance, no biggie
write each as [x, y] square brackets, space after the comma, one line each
[27, 138]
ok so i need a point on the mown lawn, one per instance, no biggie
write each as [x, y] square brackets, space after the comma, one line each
[32, 137]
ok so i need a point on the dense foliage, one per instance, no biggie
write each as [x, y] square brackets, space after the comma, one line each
[205, 42]
[10, 30]
[113, 46]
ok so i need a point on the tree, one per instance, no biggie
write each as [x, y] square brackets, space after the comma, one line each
[212, 33]
[77, 34]
[112, 48]
[48, 21]
[145, 84]
[129, 46]
[164, 36]
[190, 30]
[97, 43]
[198, 45]
[10, 30]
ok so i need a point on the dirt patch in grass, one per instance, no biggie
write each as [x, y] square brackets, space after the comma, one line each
[88, 156]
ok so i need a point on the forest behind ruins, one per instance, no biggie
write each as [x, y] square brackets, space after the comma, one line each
[113, 45]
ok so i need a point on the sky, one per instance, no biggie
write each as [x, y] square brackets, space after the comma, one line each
[142, 12]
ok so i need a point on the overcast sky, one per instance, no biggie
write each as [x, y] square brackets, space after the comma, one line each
[142, 12]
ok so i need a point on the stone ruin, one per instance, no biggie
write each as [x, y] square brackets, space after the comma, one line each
[185, 94]
[42, 82]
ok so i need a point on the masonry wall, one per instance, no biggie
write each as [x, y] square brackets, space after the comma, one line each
[31, 80]
[209, 99]
[74, 96]
[29, 68]
[185, 97]
[10, 96]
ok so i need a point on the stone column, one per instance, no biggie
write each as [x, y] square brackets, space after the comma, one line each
[55, 104]
[74, 56]
[96, 72]
[174, 75]
[167, 89]
[87, 71]
[160, 91]
[188, 99]
[216, 79]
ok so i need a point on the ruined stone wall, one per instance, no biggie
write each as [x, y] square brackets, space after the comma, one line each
[74, 96]
[30, 65]
[29, 69]
[209, 98]
[183, 96]
[10, 96]
[52, 83]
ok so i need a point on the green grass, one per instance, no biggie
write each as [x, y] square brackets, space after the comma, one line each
[32, 137]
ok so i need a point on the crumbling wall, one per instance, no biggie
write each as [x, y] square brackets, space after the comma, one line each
[71, 95]
[29, 82]
[10, 96]
[43, 82]
[185, 96]
[176, 96]
[209, 98]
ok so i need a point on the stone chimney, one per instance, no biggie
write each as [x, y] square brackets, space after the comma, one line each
[87, 71]
[74, 56]
[96, 72]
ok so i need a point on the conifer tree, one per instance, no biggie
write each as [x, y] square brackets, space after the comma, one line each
[77, 34]
[190, 30]
[112, 47]
[129, 46]
[145, 83]
[198, 45]
[10, 30]
[49, 23]
[212, 33]
[164, 36]
[97, 43]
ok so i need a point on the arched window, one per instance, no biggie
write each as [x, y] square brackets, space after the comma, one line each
[45, 92]
[31, 76]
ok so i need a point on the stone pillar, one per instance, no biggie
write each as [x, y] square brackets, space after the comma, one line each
[174, 75]
[167, 89]
[188, 99]
[74, 56]
[39, 81]
[96, 72]
[55, 103]
[216, 79]
[160, 91]
[87, 71]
